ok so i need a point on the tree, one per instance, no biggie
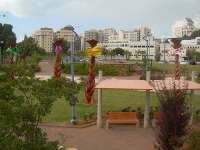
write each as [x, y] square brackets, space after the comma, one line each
[118, 51]
[193, 55]
[111, 53]
[128, 54]
[174, 117]
[24, 101]
[7, 36]
[105, 53]
[195, 34]
[157, 56]
[29, 46]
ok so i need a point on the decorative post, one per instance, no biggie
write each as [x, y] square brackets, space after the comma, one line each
[58, 51]
[147, 103]
[99, 104]
[176, 44]
[92, 52]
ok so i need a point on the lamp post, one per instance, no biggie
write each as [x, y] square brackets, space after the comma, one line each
[73, 99]
[1, 43]
[145, 38]
[163, 41]
[1, 52]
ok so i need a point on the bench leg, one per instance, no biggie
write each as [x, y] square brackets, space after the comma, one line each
[107, 125]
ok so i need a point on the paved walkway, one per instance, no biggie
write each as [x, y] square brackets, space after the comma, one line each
[117, 138]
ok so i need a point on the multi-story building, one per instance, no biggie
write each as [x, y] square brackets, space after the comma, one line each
[44, 38]
[132, 42]
[132, 35]
[184, 28]
[192, 44]
[68, 34]
[107, 33]
[143, 32]
[138, 49]
[91, 34]
[102, 36]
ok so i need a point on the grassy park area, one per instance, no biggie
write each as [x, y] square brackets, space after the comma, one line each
[113, 100]
[170, 68]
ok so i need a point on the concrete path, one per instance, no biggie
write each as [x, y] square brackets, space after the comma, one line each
[117, 138]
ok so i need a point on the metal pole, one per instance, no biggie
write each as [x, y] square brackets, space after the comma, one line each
[99, 105]
[1, 52]
[73, 99]
[164, 50]
[147, 103]
[1, 60]
[72, 63]
[146, 60]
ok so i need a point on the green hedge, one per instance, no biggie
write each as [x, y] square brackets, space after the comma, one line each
[108, 69]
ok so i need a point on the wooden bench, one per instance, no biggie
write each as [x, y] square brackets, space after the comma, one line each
[121, 118]
[156, 115]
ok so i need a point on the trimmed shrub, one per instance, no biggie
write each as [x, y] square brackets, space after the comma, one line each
[108, 69]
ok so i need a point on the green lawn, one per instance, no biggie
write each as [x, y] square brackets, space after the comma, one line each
[170, 68]
[113, 100]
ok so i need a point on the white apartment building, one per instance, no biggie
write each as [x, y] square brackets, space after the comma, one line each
[144, 31]
[138, 49]
[184, 27]
[133, 42]
[107, 33]
[192, 44]
[132, 35]
[44, 38]
[68, 34]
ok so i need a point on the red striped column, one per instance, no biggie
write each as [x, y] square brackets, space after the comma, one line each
[89, 99]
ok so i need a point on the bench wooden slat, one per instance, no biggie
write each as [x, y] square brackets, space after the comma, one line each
[121, 118]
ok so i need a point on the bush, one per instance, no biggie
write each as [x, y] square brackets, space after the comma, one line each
[154, 76]
[140, 115]
[36, 57]
[108, 69]
[127, 109]
[192, 141]
[172, 126]
[24, 101]
[198, 78]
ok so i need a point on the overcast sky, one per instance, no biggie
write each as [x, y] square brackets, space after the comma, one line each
[29, 15]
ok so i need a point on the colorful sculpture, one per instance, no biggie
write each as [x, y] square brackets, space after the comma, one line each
[58, 51]
[92, 52]
[176, 44]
